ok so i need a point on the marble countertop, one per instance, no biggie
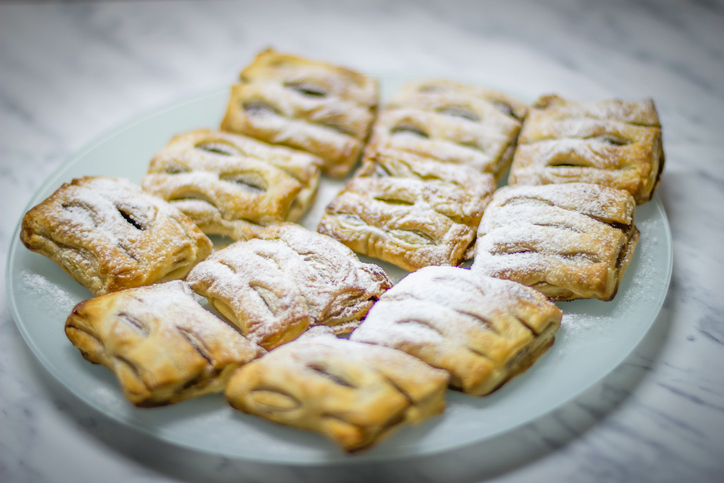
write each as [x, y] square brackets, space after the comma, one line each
[71, 71]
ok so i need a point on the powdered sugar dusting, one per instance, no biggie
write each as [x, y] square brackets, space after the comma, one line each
[319, 344]
[286, 277]
[111, 235]
[316, 107]
[448, 122]
[233, 178]
[53, 295]
[556, 238]
[469, 324]
[641, 111]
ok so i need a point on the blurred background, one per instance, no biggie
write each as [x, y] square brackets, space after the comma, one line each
[71, 71]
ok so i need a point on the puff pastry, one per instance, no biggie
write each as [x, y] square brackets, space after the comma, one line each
[451, 122]
[162, 345]
[353, 393]
[613, 143]
[108, 235]
[409, 210]
[481, 329]
[314, 106]
[276, 285]
[569, 241]
[232, 185]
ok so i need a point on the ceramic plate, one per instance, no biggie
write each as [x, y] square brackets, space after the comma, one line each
[595, 336]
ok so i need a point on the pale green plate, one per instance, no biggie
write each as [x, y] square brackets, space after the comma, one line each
[594, 339]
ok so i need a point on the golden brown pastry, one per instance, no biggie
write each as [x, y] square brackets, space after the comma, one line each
[482, 330]
[108, 235]
[232, 185]
[162, 345]
[409, 210]
[612, 143]
[569, 241]
[320, 108]
[276, 285]
[353, 393]
[452, 123]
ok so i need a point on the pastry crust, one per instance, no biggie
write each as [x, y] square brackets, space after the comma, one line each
[452, 123]
[232, 185]
[162, 345]
[569, 241]
[409, 210]
[612, 143]
[353, 393]
[481, 329]
[314, 106]
[276, 285]
[108, 235]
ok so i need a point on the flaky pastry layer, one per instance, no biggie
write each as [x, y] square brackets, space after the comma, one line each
[569, 241]
[276, 285]
[613, 143]
[351, 392]
[161, 344]
[409, 210]
[320, 108]
[481, 329]
[452, 123]
[232, 185]
[108, 235]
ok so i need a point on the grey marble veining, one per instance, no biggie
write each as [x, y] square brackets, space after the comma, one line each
[70, 72]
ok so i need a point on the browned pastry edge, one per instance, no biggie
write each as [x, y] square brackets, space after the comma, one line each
[609, 208]
[116, 330]
[354, 393]
[87, 253]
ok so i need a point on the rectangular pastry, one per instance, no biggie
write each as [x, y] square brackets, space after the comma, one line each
[409, 210]
[161, 344]
[320, 108]
[275, 286]
[452, 123]
[232, 185]
[480, 329]
[108, 235]
[569, 241]
[613, 143]
[353, 393]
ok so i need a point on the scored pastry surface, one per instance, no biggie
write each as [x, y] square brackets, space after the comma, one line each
[481, 329]
[232, 185]
[351, 392]
[409, 210]
[613, 143]
[452, 123]
[569, 241]
[314, 106]
[108, 235]
[276, 285]
[161, 344]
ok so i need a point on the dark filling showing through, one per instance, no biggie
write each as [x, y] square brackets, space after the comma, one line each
[128, 216]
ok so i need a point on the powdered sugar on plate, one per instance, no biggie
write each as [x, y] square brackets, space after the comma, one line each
[48, 292]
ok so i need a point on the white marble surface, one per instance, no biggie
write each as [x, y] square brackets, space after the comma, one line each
[71, 71]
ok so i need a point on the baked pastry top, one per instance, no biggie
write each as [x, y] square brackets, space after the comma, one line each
[108, 235]
[481, 329]
[613, 143]
[351, 392]
[314, 106]
[232, 185]
[409, 210]
[452, 123]
[569, 241]
[286, 279]
[162, 345]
